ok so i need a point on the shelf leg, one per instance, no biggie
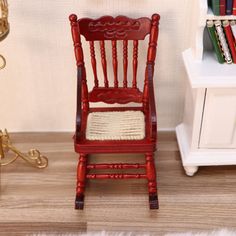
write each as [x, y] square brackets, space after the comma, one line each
[190, 170]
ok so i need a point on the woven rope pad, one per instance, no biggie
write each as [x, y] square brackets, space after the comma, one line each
[120, 125]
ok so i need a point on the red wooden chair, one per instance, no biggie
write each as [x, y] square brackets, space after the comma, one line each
[115, 129]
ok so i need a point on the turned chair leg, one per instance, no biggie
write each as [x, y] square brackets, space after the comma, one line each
[81, 181]
[152, 184]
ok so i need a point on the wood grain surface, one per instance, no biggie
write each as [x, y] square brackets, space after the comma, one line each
[42, 201]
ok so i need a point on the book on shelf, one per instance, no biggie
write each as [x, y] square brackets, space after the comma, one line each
[233, 28]
[222, 7]
[234, 8]
[229, 7]
[215, 41]
[223, 41]
[230, 39]
[216, 7]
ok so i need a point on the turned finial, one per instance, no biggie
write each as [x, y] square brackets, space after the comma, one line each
[155, 18]
[73, 18]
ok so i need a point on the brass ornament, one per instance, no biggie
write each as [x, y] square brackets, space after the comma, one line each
[9, 154]
[4, 27]
[3, 62]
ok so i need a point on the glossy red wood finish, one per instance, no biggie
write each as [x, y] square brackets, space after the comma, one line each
[116, 176]
[115, 95]
[81, 174]
[85, 104]
[79, 61]
[104, 63]
[125, 62]
[116, 166]
[151, 173]
[118, 28]
[135, 63]
[115, 63]
[77, 41]
[112, 29]
[94, 63]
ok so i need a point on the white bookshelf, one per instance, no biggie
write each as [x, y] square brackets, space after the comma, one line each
[211, 16]
[208, 72]
[207, 134]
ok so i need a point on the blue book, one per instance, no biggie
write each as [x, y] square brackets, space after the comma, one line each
[229, 7]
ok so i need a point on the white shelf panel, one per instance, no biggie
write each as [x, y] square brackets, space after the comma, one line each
[202, 157]
[211, 16]
[208, 73]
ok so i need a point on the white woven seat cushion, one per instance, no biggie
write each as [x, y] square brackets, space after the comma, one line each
[116, 125]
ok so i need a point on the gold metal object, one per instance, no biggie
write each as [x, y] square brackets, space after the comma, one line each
[3, 62]
[4, 26]
[34, 157]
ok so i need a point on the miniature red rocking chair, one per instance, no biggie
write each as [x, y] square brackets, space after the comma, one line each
[115, 129]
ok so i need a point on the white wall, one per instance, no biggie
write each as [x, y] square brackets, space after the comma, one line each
[37, 87]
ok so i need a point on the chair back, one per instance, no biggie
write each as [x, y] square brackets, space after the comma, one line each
[120, 28]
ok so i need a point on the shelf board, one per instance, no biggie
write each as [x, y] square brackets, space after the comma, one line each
[211, 16]
[208, 73]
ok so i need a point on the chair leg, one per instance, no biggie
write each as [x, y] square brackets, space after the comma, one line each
[152, 184]
[81, 179]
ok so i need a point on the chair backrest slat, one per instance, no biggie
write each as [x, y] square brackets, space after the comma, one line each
[114, 62]
[104, 62]
[94, 63]
[125, 61]
[135, 63]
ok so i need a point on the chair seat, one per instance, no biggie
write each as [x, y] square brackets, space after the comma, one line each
[115, 125]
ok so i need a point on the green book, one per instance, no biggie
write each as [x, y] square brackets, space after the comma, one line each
[215, 41]
[215, 7]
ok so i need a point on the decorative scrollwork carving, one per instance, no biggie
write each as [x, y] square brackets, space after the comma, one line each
[34, 157]
[115, 95]
[4, 27]
[114, 29]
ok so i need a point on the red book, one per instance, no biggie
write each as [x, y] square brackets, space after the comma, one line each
[234, 8]
[223, 7]
[230, 39]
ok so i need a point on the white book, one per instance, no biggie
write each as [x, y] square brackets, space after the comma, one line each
[223, 41]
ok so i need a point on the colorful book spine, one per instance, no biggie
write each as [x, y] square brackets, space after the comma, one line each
[222, 7]
[216, 7]
[215, 41]
[234, 8]
[233, 28]
[223, 42]
[229, 7]
[230, 39]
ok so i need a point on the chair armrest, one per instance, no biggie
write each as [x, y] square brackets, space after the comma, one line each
[79, 99]
[152, 107]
